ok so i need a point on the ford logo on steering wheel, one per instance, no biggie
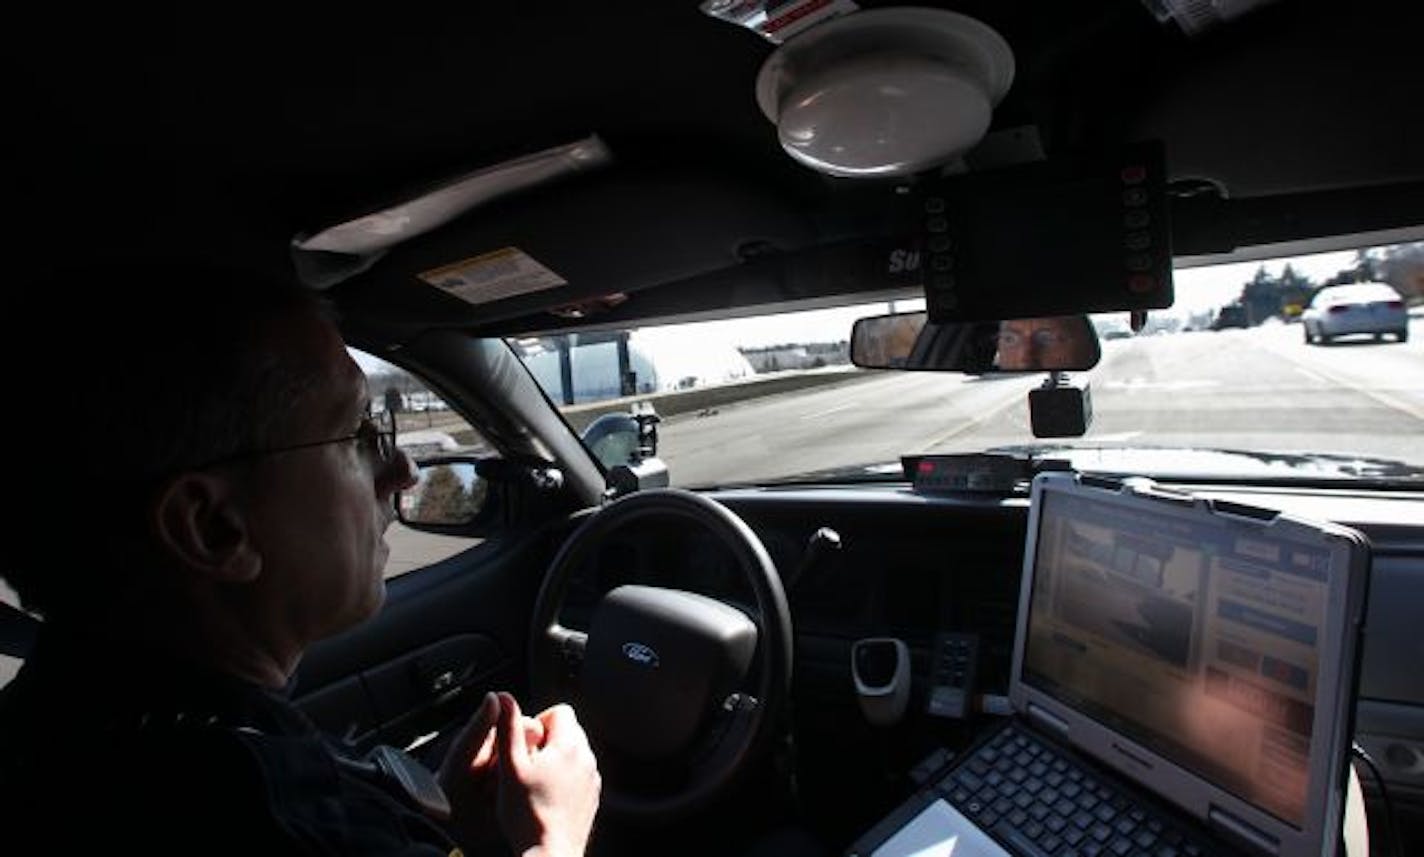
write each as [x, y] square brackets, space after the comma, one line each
[640, 654]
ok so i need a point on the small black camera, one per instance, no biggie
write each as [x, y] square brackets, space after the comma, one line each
[1060, 411]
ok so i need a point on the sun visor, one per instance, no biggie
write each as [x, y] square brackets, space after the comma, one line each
[589, 240]
[614, 247]
[339, 252]
[1089, 233]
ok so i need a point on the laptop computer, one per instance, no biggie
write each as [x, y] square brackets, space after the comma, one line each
[1182, 684]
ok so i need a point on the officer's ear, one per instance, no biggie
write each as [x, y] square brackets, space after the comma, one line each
[199, 522]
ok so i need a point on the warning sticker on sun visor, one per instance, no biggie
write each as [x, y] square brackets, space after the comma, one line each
[496, 275]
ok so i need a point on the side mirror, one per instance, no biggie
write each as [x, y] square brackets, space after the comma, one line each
[626, 444]
[910, 341]
[613, 439]
[447, 493]
[623, 438]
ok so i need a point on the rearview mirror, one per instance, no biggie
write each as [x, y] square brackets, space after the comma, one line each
[1066, 343]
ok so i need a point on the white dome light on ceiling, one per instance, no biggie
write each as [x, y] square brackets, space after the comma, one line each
[885, 92]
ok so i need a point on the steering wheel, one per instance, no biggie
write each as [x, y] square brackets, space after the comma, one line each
[665, 678]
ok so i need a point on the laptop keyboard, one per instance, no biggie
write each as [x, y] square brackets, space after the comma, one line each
[1038, 801]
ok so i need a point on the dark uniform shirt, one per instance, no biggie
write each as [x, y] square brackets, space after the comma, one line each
[177, 759]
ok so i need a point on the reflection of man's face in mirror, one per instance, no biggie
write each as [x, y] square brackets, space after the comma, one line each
[900, 340]
[886, 341]
[1059, 343]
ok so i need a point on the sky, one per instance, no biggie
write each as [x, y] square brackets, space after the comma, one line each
[1197, 289]
[368, 363]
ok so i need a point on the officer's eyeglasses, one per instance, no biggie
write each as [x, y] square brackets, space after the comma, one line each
[376, 434]
[1041, 337]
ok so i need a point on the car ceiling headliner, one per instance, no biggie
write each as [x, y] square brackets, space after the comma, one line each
[227, 131]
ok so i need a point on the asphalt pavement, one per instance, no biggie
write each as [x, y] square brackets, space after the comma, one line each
[1258, 389]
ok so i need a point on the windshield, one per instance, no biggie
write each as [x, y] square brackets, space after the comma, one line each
[1243, 377]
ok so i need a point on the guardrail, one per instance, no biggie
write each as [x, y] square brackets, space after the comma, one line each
[669, 404]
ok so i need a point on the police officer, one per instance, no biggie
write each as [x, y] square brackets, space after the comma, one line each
[227, 511]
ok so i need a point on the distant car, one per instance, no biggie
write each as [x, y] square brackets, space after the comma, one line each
[1230, 316]
[1357, 308]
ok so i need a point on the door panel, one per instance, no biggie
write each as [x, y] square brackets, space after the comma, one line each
[447, 634]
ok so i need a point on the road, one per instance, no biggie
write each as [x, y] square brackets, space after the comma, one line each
[1258, 389]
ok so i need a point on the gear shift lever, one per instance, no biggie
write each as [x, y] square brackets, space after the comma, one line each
[881, 668]
[823, 540]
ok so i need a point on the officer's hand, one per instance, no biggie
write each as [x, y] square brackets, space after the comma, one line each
[548, 791]
[468, 774]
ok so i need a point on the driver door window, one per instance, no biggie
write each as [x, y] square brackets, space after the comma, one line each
[425, 427]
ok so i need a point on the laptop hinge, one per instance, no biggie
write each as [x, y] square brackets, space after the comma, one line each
[1243, 832]
[1047, 719]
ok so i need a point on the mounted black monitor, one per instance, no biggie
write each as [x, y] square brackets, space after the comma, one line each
[1063, 236]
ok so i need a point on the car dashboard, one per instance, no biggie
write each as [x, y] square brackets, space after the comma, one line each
[910, 566]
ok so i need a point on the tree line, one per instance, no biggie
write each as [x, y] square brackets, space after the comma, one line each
[1287, 294]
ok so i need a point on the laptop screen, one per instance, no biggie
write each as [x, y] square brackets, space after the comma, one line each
[1200, 640]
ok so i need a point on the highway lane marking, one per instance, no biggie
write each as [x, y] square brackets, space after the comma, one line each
[827, 411]
[970, 424]
[1312, 375]
[1406, 407]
